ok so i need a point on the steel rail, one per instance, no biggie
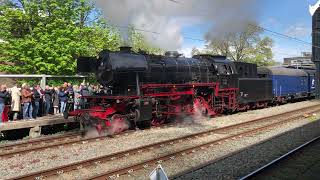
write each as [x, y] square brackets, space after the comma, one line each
[52, 142]
[39, 144]
[110, 157]
[22, 143]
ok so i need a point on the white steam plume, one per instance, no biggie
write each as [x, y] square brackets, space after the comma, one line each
[169, 16]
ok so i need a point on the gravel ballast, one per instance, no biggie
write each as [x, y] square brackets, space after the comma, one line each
[255, 156]
[49, 158]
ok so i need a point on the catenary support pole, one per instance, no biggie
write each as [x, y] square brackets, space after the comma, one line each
[316, 46]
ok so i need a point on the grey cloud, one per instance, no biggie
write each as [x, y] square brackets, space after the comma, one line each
[169, 17]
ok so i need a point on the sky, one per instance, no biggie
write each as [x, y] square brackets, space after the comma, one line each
[290, 17]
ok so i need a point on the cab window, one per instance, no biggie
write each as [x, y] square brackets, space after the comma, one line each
[225, 69]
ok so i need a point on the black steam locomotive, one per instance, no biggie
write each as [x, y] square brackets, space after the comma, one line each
[149, 89]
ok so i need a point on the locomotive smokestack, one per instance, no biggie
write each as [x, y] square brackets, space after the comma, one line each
[125, 49]
[125, 39]
[174, 54]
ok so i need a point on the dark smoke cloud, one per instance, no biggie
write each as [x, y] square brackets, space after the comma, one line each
[169, 16]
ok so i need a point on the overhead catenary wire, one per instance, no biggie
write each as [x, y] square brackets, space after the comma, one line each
[292, 55]
[272, 32]
[283, 35]
[155, 32]
[174, 1]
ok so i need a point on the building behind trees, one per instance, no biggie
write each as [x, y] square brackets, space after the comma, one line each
[300, 61]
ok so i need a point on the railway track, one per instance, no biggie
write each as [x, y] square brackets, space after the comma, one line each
[13, 149]
[309, 149]
[99, 167]
[8, 150]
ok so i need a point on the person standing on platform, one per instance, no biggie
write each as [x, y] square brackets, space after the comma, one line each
[70, 93]
[63, 98]
[36, 97]
[56, 100]
[3, 96]
[83, 93]
[26, 100]
[70, 87]
[15, 102]
[77, 97]
[48, 98]
[7, 103]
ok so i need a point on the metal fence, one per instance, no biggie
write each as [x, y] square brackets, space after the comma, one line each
[42, 77]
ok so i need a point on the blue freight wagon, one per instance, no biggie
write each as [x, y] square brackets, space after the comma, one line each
[287, 83]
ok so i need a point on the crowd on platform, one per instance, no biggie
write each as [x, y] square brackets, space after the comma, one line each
[28, 103]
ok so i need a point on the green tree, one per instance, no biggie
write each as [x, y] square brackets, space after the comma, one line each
[262, 53]
[46, 36]
[247, 46]
[195, 51]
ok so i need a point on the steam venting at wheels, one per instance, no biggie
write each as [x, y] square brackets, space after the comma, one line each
[97, 127]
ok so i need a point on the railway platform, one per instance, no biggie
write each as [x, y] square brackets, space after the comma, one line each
[35, 125]
[302, 162]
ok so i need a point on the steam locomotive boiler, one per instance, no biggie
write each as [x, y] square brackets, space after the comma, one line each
[149, 89]
[120, 69]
